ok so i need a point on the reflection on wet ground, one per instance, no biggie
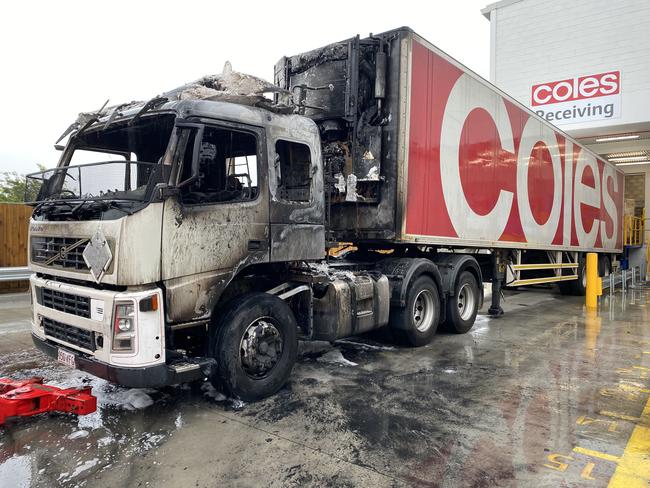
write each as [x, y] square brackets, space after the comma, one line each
[545, 396]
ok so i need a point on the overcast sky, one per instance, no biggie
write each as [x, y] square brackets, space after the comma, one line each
[60, 58]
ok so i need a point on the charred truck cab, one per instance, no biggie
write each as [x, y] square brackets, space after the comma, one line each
[203, 233]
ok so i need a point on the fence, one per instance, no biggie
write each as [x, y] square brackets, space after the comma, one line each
[14, 226]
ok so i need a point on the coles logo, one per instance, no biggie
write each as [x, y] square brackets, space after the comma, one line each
[572, 89]
[505, 177]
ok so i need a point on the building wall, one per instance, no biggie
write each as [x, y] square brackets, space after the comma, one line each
[635, 188]
[539, 41]
[536, 41]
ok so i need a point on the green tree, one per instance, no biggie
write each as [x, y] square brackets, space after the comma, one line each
[14, 184]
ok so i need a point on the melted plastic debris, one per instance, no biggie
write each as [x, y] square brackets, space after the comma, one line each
[236, 87]
[211, 392]
[373, 174]
[324, 269]
[340, 183]
[351, 191]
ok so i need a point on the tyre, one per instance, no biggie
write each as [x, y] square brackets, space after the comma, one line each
[462, 307]
[604, 266]
[255, 346]
[417, 322]
[576, 287]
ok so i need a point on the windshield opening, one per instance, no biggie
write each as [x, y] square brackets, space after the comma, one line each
[119, 163]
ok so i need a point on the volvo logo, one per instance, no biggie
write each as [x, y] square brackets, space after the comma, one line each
[64, 251]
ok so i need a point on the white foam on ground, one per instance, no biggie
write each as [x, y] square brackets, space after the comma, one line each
[364, 346]
[107, 394]
[78, 434]
[91, 463]
[150, 440]
[16, 472]
[335, 357]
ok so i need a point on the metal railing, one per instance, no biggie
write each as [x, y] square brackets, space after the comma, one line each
[626, 278]
[19, 273]
[633, 228]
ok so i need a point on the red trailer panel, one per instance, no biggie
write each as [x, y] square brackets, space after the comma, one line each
[482, 170]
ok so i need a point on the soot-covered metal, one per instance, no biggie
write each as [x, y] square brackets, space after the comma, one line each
[359, 122]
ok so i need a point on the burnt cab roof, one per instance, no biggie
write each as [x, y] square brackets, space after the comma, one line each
[294, 127]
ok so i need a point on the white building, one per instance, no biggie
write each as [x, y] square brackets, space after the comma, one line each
[584, 65]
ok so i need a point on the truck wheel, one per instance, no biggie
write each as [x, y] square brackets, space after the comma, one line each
[605, 266]
[463, 306]
[416, 324]
[576, 287]
[256, 346]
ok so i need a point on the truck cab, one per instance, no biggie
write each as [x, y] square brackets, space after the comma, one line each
[142, 238]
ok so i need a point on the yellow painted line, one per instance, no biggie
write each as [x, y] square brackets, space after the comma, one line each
[626, 387]
[619, 416]
[633, 469]
[596, 454]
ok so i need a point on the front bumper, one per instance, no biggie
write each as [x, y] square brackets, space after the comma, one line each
[133, 377]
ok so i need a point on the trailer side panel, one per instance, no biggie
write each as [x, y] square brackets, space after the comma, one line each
[484, 171]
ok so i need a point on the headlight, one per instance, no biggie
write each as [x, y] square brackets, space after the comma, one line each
[124, 315]
[123, 326]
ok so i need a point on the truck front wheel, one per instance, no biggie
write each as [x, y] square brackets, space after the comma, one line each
[256, 346]
[462, 307]
[416, 324]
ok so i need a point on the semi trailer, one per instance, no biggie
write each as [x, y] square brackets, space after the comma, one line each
[377, 182]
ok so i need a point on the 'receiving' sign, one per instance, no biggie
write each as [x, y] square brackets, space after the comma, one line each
[581, 99]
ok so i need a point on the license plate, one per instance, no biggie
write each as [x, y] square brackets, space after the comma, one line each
[67, 358]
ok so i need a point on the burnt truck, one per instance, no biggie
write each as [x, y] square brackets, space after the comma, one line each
[376, 182]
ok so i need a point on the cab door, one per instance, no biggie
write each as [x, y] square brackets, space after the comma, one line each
[218, 223]
[297, 213]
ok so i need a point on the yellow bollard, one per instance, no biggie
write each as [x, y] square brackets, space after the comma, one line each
[594, 284]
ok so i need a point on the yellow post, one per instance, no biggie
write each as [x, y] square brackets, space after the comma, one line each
[594, 285]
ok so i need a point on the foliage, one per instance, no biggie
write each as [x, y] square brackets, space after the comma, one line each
[14, 184]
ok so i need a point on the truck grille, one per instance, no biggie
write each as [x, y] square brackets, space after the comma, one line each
[65, 252]
[72, 335]
[65, 302]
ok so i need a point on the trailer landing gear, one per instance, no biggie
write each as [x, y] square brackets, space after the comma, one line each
[495, 309]
[498, 274]
[31, 397]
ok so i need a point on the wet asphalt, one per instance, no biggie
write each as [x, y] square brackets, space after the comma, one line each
[547, 395]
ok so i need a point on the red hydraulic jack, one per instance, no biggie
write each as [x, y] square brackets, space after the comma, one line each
[31, 397]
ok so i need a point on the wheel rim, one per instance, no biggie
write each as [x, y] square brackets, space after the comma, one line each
[466, 301]
[424, 310]
[261, 347]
